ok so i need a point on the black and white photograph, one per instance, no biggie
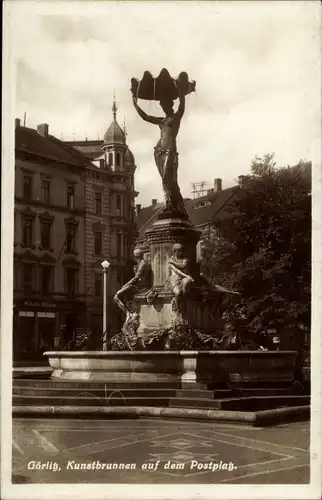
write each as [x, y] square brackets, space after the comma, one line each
[161, 250]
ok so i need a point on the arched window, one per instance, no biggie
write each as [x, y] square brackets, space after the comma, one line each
[118, 160]
[110, 159]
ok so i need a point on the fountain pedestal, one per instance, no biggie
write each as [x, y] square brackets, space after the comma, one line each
[161, 238]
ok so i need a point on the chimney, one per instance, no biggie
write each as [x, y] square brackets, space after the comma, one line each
[138, 209]
[154, 202]
[17, 122]
[241, 179]
[217, 185]
[42, 129]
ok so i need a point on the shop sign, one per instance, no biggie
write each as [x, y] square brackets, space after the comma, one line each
[41, 305]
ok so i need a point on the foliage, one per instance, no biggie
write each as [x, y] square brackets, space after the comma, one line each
[263, 249]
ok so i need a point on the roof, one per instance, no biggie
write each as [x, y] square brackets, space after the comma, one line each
[114, 134]
[200, 211]
[215, 204]
[146, 217]
[129, 158]
[90, 149]
[28, 140]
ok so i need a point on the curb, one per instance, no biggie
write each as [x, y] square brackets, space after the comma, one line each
[266, 417]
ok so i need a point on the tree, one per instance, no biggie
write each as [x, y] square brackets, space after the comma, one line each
[264, 249]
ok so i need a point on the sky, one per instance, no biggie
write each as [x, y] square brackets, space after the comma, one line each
[256, 67]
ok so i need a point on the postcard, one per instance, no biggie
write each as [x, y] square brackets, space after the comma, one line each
[161, 250]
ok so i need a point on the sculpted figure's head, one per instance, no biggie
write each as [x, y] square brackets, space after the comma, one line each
[138, 254]
[178, 250]
[167, 106]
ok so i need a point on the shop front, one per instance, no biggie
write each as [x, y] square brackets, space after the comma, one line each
[40, 326]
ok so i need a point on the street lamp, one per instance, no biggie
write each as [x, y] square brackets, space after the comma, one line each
[105, 265]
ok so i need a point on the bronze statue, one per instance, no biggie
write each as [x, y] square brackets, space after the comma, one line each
[179, 277]
[140, 281]
[165, 89]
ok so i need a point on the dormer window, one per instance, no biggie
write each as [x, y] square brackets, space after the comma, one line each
[202, 204]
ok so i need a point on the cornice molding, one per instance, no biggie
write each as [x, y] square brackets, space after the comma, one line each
[58, 208]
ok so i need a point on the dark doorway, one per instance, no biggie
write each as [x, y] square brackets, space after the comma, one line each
[46, 333]
[68, 329]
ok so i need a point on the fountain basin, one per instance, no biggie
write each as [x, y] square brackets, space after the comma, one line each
[238, 368]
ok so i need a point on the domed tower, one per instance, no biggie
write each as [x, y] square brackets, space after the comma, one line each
[119, 161]
[114, 146]
[129, 163]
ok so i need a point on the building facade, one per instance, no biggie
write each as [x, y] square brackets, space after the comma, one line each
[70, 215]
[110, 229]
[49, 270]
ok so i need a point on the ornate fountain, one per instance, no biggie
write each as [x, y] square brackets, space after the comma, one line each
[172, 331]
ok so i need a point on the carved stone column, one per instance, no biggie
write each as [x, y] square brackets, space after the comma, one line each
[161, 238]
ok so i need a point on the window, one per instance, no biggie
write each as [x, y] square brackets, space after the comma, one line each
[46, 235]
[118, 204]
[98, 203]
[118, 278]
[98, 284]
[118, 244]
[125, 245]
[46, 191]
[71, 239]
[27, 187]
[27, 276]
[98, 240]
[70, 197]
[71, 280]
[27, 231]
[118, 160]
[124, 206]
[110, 159]
[46, 279]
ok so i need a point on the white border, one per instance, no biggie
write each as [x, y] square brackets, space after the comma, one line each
[132, 491]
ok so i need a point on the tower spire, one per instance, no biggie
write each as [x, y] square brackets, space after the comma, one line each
[124, 129]
[114, 107]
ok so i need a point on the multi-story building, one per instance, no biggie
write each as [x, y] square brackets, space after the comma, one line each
[110, 228]
[49, 257]
[70, 215]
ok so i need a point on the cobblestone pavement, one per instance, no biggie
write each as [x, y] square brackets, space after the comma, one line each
[157, 451]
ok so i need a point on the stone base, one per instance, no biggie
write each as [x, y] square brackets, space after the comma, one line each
[154, 316]
[159, 314]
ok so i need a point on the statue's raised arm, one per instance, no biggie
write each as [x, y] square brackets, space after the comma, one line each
[182, 102]
[151, 119]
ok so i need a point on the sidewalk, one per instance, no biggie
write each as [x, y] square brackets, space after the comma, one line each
[31, 370]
